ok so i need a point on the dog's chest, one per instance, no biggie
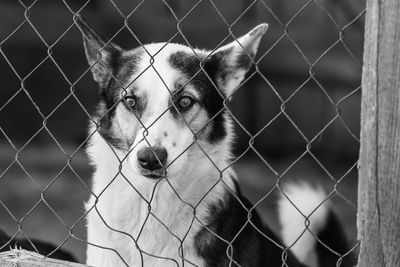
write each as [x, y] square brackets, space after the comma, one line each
[143, 234]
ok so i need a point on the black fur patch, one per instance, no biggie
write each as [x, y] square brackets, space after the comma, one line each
[221, 66]
[123, 67]
[211, 100]
[226, 219]
[333, 235]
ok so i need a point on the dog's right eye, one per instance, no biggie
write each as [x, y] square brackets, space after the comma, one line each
[130, 101]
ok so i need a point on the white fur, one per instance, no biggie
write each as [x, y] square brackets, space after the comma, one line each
[306, 199]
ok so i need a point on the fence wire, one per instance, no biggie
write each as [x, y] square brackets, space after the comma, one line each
[354, 18]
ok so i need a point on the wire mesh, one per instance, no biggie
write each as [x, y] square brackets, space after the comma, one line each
[340, 15]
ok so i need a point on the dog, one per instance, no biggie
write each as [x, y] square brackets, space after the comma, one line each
[163, 190]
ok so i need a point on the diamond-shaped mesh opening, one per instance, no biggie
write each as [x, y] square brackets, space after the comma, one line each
[69, 138]
[14, 23]
[29, 115]
[295, 115]
[279, 126]
[27, 195]
[54, 92]
[42, 12]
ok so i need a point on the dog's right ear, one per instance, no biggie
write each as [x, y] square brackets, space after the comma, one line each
[99, 53]
[229, 64]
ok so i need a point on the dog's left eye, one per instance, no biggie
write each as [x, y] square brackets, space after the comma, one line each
[185, 102]
[130, 101]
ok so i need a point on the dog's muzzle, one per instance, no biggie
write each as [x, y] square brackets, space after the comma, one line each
[152, 161]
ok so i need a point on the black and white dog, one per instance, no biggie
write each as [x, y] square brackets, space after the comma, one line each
[161, 148]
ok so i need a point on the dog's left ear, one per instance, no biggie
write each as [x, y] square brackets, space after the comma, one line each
[99, 53]
[229, 64]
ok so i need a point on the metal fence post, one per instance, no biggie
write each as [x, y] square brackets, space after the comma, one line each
[379, 175]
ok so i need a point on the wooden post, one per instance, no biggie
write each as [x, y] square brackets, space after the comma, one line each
[24, 258]
[379, 175]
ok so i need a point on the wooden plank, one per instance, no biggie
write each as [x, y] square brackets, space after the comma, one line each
[379, 185]
[24, 258]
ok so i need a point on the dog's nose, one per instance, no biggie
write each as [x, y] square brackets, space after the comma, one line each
[153, 158]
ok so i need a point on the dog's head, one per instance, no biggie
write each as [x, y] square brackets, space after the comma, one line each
[163, 104]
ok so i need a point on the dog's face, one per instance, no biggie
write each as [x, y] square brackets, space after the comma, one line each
[163, 104]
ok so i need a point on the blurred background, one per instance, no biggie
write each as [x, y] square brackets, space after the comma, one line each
[301, 116]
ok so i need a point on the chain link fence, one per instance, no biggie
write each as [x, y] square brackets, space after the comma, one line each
[296, 114]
